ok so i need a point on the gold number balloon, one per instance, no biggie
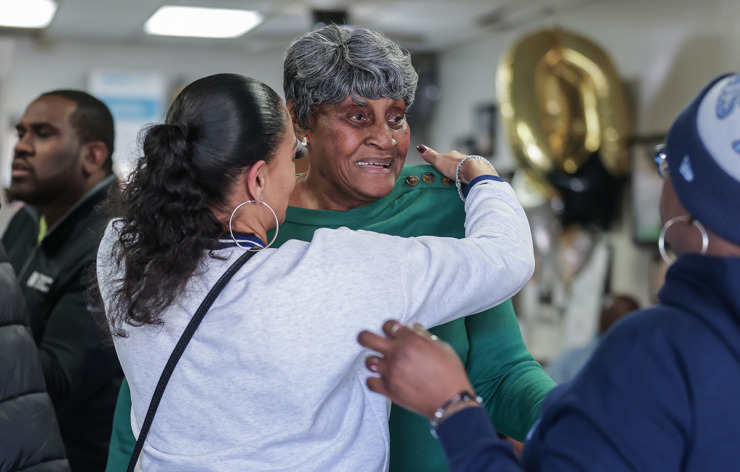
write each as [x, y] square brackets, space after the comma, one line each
[561, 101]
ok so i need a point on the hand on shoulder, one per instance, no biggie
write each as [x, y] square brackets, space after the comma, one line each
[417, 370]
[447, 164]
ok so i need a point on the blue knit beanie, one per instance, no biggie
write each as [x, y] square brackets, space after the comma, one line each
[703, 153]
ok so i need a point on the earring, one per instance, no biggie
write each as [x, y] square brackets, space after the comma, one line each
[671, 222]
[305, 141]
[277, 223]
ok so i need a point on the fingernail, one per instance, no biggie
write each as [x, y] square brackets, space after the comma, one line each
[421, 148]
[373, 366]
[396, 326]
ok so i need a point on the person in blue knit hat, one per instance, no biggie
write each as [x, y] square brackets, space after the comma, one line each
[661, 391]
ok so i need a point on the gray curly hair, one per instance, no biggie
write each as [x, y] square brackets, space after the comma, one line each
[334, 62]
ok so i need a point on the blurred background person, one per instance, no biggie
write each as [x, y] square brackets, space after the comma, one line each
[660, 391]
[62, 170]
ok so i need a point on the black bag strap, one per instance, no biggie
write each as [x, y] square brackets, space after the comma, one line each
[179, 349]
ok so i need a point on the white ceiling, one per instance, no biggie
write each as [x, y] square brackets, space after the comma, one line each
[418, 25]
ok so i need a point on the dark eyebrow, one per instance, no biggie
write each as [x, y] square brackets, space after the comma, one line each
[36, 126]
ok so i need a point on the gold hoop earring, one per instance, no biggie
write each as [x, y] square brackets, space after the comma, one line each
[671, 222]
[277, 223]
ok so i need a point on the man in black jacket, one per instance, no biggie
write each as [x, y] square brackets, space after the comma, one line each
[62, 171]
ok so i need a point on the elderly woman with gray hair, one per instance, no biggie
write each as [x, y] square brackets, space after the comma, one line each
[348, 91]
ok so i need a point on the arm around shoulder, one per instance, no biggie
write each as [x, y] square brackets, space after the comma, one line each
[448, 278]
[497, 222]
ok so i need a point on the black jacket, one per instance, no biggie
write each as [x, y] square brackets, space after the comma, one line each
[81, 369]
[29, 434]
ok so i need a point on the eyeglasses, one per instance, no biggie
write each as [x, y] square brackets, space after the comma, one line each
[660, 160]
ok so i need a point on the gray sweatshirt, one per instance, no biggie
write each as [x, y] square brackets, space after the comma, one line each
[274, 379]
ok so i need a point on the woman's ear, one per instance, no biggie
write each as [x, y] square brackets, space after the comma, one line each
[255, 180]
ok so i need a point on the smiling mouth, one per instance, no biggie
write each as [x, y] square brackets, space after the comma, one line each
[381, 165]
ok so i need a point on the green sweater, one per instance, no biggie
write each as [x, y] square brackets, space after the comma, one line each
[490, 344]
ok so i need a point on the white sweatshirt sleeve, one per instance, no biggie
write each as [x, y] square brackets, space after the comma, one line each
[363, 278]
[466, 276]
[427, 279]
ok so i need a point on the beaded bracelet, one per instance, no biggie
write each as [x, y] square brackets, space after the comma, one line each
[458, 184]
[439, 415]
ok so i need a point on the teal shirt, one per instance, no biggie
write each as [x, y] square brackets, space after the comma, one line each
[490, 344]
[122, 441]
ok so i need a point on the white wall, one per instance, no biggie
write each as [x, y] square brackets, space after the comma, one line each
[40, 67]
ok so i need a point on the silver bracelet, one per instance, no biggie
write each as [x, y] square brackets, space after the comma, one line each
[458, 184]
[439, 415]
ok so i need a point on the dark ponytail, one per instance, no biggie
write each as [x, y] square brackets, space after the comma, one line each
[216, 127]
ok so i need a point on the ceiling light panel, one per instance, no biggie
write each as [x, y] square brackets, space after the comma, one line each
[201, 22]
[27, 13]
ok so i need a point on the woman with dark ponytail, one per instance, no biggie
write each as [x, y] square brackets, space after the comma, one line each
[189, 165]
[271, 378]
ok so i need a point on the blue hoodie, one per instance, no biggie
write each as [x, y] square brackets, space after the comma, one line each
[661, 392]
